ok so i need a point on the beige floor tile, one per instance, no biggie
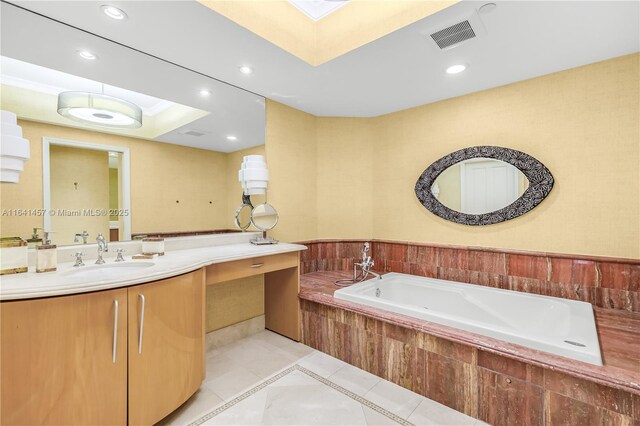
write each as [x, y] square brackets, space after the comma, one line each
[321, 364]
[354, 379]
[283, 344]
[232, 383]
[247, 412]
[270, 362]
[295, 378]
[394, 398]
[244, 352]
[218, 365]
[374, 418]
[202, 402]
[311, 405]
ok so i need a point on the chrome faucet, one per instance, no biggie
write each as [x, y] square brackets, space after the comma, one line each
[365, 269]
[78, 255]
[102, 247]
[367, 263]
[119, 258]
[84, 235]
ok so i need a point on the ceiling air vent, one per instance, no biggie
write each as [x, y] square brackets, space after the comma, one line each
[192, 132]
[453, 35]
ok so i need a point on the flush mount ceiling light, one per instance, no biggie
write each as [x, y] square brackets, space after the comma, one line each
[456, 69]
[100, 110]
[85, 54]
[113, 12]
[246, 70]
[205, 92]
[232, 138]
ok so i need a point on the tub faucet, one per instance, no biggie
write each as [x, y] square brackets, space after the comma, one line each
[365, 266]
[367, 263]
[102, 247]
[368, 269]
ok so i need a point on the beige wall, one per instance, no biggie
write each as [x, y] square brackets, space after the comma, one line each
[234, 301]
[583, 124]
[79, 180]
[345, 197]
[291, 158]
[161, 174]
[114, 198]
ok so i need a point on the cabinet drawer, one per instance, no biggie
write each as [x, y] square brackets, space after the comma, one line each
[227, 271]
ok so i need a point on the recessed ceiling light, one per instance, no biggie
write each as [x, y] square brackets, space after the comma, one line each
[113, 12]
[85, 54]
[246, 70]
[232, 138]
[205, 92]
[455, 69]
[487, 8]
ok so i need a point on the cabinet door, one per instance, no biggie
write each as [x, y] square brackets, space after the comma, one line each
[64, 360]
[166, 345]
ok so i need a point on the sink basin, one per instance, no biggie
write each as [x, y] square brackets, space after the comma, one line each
[109, 270]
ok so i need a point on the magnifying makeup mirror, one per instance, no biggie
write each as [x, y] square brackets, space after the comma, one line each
[243, 217]
[264, 217]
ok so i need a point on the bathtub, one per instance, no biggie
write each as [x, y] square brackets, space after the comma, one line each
[558, 326]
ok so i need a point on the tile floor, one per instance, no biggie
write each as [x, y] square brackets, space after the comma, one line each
[267, 379]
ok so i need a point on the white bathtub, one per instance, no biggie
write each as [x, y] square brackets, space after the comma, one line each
[559, 326]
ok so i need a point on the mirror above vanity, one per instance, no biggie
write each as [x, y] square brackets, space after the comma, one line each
[483, 185]
[90, 174]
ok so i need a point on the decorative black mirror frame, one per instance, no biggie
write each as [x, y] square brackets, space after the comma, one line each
[540, 184]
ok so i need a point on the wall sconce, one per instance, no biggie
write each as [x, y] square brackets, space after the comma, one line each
[14, 149]
[254, 175]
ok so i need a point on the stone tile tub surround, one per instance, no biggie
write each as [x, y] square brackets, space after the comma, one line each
[605, 282]
[496, 382]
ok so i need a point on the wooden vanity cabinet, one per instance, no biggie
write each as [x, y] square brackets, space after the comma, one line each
[64, 360]
[77, 359]
[166, 345]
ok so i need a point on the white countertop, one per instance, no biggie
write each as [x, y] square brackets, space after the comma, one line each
[31, 284]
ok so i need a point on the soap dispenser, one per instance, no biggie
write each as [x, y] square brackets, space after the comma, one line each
[46, 255]
[35, 239]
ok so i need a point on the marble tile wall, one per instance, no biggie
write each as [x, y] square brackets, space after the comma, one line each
[487, 386]
[605, 282]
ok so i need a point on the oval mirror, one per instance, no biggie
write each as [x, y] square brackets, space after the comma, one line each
[483, 185]
[264, 217]
[243, 216]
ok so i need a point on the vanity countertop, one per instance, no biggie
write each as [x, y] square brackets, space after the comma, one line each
[65, 281]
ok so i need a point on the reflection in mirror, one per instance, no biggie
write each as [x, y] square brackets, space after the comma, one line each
[264, 217]
[479, 185]
[180, 157]
[86, 190]
[243, 217]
